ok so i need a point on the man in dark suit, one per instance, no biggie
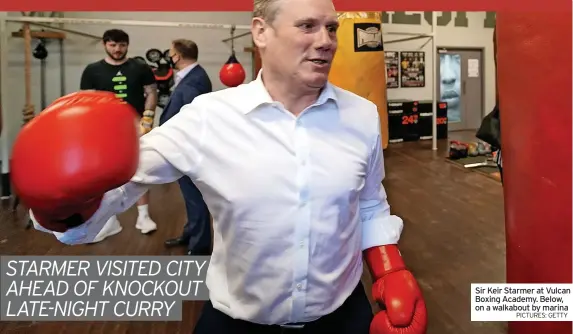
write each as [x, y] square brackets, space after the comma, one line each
[191, 80]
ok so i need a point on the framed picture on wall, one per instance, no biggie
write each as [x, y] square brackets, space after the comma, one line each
[392, 69]
[412, 69]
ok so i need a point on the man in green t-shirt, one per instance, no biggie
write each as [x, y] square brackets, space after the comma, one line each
[134, 83]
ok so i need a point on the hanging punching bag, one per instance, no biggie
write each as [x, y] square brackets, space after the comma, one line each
[534, 78]
[358, 65]
[232, 73]
[40, 52]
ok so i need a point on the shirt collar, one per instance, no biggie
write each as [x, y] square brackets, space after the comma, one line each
[259, 94]
[183, 72]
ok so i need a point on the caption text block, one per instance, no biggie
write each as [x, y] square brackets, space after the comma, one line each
[521, 302]
[100, 288]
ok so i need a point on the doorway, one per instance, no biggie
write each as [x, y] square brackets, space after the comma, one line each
[461, 85]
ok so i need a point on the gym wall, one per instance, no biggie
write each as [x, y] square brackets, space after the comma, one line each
[475, 35]
[80, 51]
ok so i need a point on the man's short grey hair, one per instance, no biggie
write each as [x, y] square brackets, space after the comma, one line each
[266, 9]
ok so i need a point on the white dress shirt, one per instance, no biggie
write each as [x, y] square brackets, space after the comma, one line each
[294, 200]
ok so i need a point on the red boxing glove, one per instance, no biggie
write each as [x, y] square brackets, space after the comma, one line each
[397, 292]
[64, 160]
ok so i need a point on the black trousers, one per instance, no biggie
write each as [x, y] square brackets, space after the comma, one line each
[353, 317]
[197, 229]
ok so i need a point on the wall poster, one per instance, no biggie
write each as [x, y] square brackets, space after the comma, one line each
[451, 84]
[473, 68]
[413, 69]
[392, 69]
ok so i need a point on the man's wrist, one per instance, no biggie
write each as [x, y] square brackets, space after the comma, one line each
[383, 260]
[149, 113]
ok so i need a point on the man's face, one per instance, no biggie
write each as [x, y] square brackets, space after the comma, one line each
[301, 42]
[116, 50]
[450, 84]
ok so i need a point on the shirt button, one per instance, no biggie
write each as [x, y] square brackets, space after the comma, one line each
[302, 244]
[299, 286]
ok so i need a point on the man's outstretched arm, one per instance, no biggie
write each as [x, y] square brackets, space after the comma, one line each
[74, 193]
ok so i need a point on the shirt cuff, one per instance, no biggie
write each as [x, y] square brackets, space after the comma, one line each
[381, 231]
[88, 231]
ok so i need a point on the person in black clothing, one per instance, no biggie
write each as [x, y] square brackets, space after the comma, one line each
[135, 84]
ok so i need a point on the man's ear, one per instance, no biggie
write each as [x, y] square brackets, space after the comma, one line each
[258, 30]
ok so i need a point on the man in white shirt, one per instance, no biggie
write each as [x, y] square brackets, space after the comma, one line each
[291, 169]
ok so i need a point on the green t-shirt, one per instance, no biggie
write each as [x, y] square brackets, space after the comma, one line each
[127, 80]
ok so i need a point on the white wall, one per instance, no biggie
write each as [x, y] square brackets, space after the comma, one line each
[472, 36]
[212, 52]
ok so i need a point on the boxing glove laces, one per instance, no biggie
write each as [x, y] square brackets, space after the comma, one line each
[397, 293]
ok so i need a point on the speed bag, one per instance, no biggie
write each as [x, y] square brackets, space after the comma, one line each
[358, 65]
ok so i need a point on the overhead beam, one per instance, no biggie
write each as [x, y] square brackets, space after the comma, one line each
[41, 34]
[166, 24]
[70, 31]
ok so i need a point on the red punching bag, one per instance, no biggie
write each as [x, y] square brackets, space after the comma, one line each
[534, 78]
[232, 73]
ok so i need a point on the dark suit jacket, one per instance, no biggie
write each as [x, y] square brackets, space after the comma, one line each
[195, 83]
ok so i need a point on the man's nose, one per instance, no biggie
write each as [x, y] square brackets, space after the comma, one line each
[324, 39]
[448, 74]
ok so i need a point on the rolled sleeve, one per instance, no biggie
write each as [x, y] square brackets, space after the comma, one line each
[379, 227]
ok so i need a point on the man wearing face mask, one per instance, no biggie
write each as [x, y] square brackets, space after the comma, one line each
[135, 84]
[191, 80]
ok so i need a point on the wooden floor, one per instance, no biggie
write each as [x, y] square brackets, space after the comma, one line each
[453, 236]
